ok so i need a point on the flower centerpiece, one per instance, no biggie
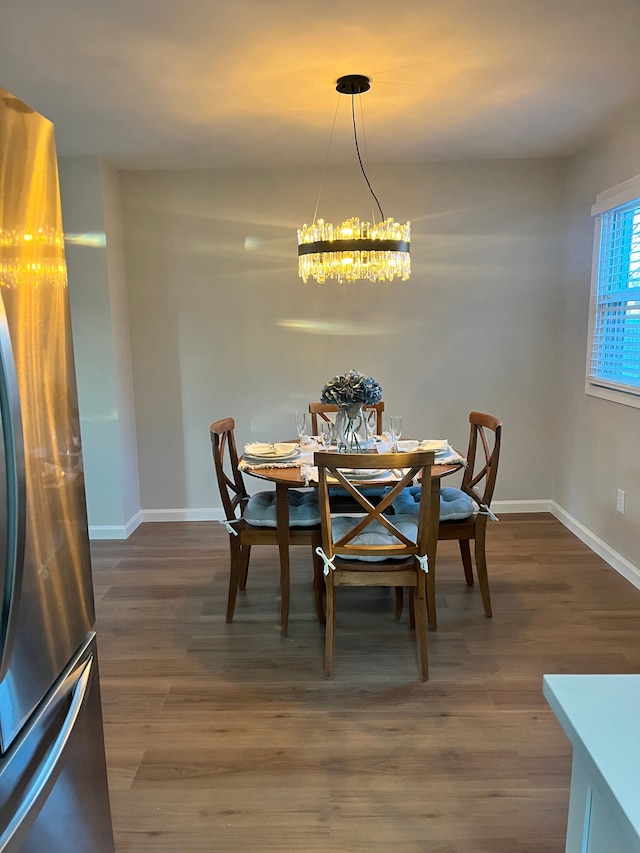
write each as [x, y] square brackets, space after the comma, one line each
[350, 392]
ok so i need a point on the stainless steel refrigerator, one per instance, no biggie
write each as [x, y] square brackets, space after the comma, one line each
[53, 781]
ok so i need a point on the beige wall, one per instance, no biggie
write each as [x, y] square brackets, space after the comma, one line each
[598, 441]
[221, 325]
[119, 305]
[99, 313]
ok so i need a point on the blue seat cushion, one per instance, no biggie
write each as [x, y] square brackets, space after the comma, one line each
[374, 534]
[368, 491]
[303, 509]
[454, 503]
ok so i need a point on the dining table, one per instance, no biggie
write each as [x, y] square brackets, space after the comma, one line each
[297, 474]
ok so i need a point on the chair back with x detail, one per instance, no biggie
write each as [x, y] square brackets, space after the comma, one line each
[323, 410]
[478, 481]
[233, 493]
[239, 506]
[372, 548]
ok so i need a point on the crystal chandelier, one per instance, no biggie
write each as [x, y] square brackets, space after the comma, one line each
[354, 250]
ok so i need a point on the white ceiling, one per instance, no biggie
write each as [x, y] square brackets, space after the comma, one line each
[162, 83]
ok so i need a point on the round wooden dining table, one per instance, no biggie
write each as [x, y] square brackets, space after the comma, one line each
[286, 478]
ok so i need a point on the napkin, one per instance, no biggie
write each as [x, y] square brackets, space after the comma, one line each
[299, 461]
[439, 445]
[444, 453]
[262, 448]
[408, 445]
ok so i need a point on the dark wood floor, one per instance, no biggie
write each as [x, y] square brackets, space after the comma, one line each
[227, 737]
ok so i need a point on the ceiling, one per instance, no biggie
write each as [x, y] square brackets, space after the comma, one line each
[217, 83]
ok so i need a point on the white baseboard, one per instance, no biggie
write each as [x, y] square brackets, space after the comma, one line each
[203, 514]
[105, 531]
[108, 531]
[615, 560]
[508, 507]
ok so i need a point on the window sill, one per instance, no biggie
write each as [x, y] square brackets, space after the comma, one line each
[613, 395]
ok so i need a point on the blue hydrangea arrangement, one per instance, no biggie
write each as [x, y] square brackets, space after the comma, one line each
[352, 389]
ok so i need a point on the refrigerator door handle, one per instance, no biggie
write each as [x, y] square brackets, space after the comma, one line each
[13, 499]
[77, 685]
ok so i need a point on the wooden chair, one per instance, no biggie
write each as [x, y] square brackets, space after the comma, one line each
[322, 410]
[478, 481]
[339, 500]
[236, 501]
[372, 549]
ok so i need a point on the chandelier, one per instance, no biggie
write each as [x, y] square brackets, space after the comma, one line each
[354, 250]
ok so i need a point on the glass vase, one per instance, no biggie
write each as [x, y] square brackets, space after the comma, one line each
[351, 429]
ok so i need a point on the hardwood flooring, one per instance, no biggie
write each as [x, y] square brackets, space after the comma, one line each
[227, 738]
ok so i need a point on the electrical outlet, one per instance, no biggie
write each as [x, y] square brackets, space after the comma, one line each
[620, 498]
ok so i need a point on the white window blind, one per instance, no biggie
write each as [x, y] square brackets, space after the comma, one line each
[614, 345]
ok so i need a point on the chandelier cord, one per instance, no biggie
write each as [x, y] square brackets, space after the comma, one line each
[326, 159]
[365, 151]
[355, 137]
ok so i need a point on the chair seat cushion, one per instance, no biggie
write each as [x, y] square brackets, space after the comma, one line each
[454, 503]
[368, 491]
[374, 534]
[303, 509]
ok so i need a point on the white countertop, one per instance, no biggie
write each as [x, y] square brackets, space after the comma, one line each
[600, 715]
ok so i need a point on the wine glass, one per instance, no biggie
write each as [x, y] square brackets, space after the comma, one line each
[371, 420]
[327, 433]
[301, 425]
[395, 428]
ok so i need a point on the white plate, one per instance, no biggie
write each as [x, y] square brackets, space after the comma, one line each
[262, 450]
[365, 473]
[271, 460]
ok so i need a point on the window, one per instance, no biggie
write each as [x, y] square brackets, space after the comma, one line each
[613, 359]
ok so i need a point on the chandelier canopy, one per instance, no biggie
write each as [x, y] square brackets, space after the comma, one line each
[354, 250]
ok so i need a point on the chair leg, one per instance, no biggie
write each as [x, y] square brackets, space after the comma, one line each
[246, 554]
[234, 576]
[481, 567]
[318, 584]
[412, 608]
[399, 602]
[330, 629]
[465, 553]
[431, 598]
[421, 627]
